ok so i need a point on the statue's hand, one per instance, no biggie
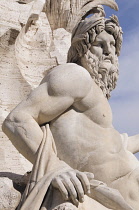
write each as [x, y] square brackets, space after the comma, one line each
[73, 185]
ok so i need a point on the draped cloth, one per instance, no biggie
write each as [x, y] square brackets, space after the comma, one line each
[46, 167]
[40, 195]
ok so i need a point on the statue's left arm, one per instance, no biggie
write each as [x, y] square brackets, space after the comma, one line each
[131, 143]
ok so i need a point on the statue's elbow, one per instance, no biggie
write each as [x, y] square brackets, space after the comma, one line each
[8, 124]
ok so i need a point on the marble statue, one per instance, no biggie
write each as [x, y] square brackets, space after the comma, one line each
[64, 127]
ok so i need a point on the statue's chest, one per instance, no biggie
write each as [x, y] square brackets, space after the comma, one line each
[78, 139]
[96, 107]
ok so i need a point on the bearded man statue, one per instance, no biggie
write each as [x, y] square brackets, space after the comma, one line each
[64, 127]
[104, 68]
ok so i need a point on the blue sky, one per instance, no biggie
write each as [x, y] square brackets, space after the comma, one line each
[125, 98]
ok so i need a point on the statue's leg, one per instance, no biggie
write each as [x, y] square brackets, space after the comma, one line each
[128, 186]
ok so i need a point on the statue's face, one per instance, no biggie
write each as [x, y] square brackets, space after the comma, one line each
[101, 62]
[104, 49]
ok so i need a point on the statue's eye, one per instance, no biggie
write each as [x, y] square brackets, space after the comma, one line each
[112, 43]
[109, 32]
[98, 44]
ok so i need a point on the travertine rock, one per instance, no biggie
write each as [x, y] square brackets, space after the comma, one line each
[22, 68]
[12, 83]
[38, 50]
[9, 197]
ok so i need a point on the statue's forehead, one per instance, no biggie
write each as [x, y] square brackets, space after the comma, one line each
[104, 36]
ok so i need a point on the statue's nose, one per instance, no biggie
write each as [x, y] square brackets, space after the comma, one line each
[107, 49]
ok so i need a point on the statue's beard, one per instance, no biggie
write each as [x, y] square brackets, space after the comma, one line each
[104, 71]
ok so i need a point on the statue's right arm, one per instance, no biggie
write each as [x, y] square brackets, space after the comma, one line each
[63, 86]
[44, 104]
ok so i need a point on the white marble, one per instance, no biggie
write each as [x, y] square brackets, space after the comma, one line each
[78, 158]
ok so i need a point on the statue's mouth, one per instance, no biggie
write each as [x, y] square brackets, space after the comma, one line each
[108, 59]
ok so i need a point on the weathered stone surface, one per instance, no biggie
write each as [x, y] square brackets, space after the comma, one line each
[12, 83]
[38, 50]
[9, 197]
[22, 68]
[77, 146]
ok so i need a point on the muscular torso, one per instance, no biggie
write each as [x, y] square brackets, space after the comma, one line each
[84, 136]
[86, 140]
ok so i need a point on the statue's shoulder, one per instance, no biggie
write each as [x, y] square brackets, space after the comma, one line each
[70, 71]
[69, 78]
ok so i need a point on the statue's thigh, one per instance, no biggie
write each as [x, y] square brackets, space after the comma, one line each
[132, 186]
[128, 186]
[133, 182]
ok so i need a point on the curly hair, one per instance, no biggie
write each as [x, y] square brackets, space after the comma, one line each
[85, 33]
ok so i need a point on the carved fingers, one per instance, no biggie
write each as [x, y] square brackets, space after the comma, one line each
[84, 177]
[73, 185]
